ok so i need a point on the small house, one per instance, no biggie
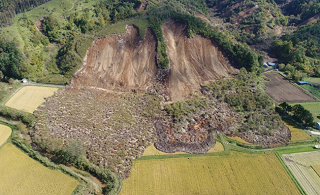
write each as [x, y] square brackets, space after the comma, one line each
[303, 82]
[318, 125]
[265, 65]
[24, 80]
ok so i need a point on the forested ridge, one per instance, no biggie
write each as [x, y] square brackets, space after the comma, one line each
[9, 8]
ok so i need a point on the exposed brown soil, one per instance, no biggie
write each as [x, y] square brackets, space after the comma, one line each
[39, 24]
[143, 6]
[202, 17]
[281, 90]
[120, 63]
[229, 11]
[193, 61]
[243, 14]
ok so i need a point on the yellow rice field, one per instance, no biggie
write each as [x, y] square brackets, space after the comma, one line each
[29, 98]
[152, 151]
[297, 134]
[316, 168]
[22, 175]
[238, 139]
[5, 133]
[237, 173]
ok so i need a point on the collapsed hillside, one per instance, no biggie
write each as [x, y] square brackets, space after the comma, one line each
[104, 109]
[119, 63]
[193, 61]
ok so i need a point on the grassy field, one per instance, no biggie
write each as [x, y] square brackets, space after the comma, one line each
[5, 133]
[297, 134]
[312, 90]
[228, 174]
[302, 166]
[313, 107]
[22, 175]
[29, 98]
[152, 151]
[238, 139]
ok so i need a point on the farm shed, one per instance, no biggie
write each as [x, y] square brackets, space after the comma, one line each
[24, 80]
[318, 125]
[265, 65]
[303, 82]
[272, 64]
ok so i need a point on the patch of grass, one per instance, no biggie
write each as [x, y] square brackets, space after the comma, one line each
[314, 91]
[238, 139]
[22, 175]
[297, 134]
[29, 98]
[228, 174]
[297, 150]
[313, 80]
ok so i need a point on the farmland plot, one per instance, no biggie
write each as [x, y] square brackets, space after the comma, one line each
[281, 90]
[229, 174]
[304, 166]
[297, 134]
[22, 175]
[29, 98]
[152, 151]
[5, 132]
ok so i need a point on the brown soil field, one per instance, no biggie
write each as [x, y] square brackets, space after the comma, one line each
[119, 63]
[194, 60]
[281, 90]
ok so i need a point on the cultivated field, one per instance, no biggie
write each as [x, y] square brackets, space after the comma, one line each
[313, 107]
[282, 90]
[5, 132]
[29, 98]
[229, 174]
[297, 134]
[22, 175]
[302, 167]
[152, 151]
[239, 139]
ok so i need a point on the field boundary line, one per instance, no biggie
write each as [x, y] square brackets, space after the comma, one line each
[290, 174]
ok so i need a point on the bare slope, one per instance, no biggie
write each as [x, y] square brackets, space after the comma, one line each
[119, 63]
[193, 60]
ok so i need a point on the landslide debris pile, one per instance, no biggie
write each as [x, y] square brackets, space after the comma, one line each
[115, 129]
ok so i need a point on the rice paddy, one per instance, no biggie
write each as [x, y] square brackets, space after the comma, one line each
[29, 98]
[237, 173]
[305, 168]
[152, 151]
[22, 175]
[5, 133]
[297, 134]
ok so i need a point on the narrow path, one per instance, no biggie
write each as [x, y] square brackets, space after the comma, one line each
[73, 5]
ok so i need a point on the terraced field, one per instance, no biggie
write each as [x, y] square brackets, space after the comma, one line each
[5, 132]
[152, 151]
[228, 174]
[303, 166]
[22, 175]
[29, 98]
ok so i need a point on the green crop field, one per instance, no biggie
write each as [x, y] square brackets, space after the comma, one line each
[297, 134]
[304, 167]
[5, 133]
[22, 175]
[152, 151]
[30, 97]
[228, 174]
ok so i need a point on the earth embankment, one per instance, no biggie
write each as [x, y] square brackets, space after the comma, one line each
[193, 61]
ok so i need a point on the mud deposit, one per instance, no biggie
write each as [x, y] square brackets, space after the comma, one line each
[193, 61]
